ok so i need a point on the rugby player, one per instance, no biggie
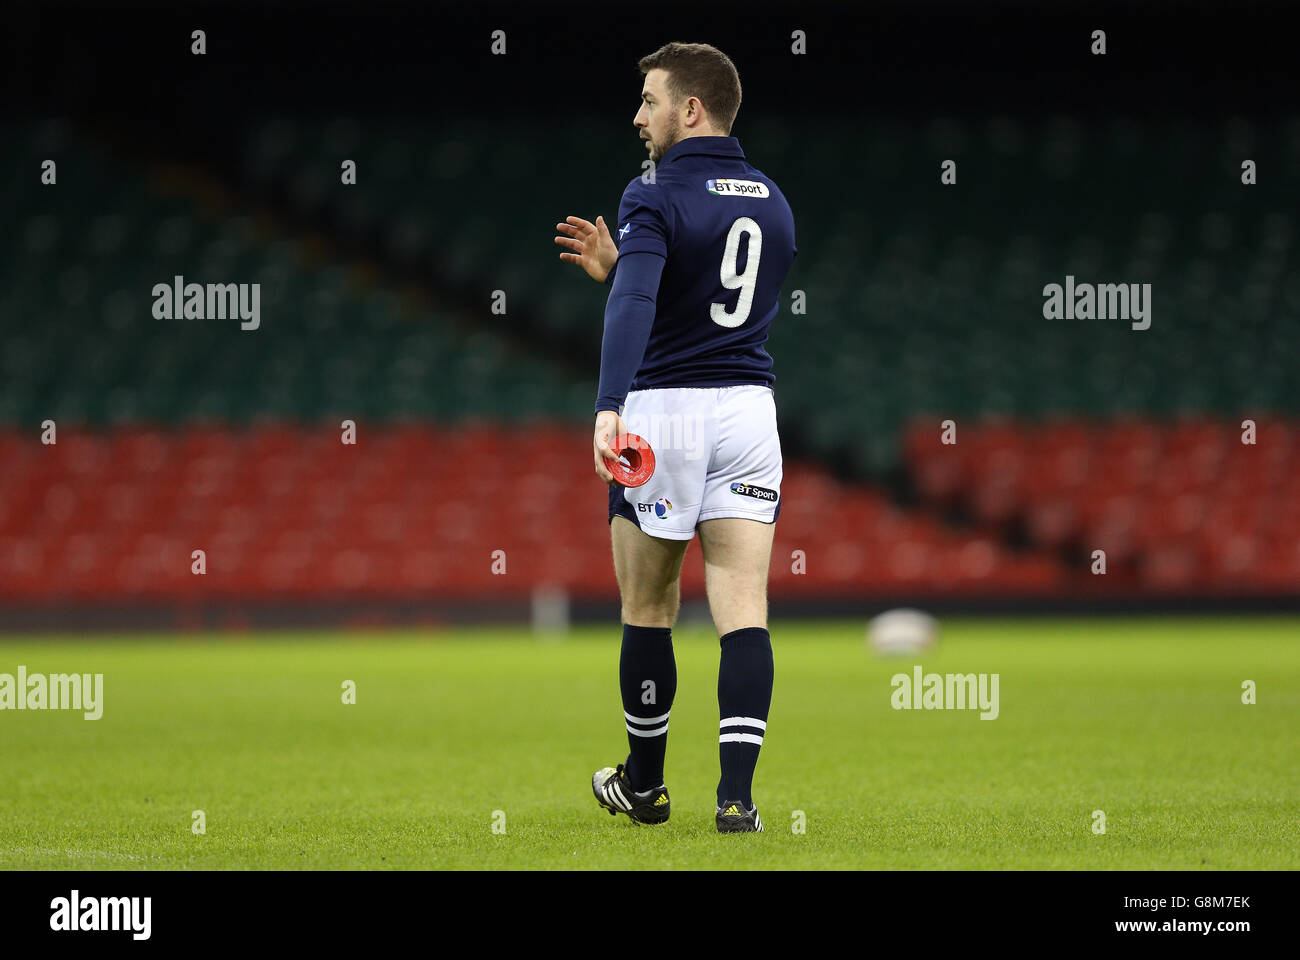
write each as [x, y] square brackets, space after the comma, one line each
[704, 242]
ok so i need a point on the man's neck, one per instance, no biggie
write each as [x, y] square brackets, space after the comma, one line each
[701, 133]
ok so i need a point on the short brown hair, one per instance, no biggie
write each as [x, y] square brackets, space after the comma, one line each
[702, 71]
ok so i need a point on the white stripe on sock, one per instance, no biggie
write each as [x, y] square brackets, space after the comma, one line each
[743, 722]
[647, 733]
[646, 720]
[740, 738]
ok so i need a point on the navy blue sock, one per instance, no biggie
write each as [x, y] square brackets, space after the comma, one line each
[744, 696]
[647, 674]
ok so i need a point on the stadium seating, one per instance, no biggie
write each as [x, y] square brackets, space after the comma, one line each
[923, 303]
[287, 513]
[1179, 506]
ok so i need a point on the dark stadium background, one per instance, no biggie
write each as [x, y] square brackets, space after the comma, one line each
[923, 304]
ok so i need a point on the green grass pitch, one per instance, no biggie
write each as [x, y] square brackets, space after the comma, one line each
[1142, 719]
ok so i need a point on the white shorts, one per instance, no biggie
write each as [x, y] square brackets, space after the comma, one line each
[717, 454]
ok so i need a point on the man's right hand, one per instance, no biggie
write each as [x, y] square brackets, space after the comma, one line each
[609, 425]
[593, 248]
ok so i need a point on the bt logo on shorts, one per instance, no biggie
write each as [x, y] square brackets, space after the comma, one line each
[749, 490]
[660, 507]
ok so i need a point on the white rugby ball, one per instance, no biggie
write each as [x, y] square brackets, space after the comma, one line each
[902, 631]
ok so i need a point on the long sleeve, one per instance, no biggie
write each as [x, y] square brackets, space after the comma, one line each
[629, 316]
[642, 242]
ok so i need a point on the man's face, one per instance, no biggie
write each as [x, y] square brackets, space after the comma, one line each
[657, 119]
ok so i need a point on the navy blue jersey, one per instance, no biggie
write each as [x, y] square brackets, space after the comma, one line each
[725, 234]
